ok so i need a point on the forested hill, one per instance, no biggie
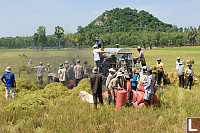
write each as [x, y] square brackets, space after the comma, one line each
[126, 20]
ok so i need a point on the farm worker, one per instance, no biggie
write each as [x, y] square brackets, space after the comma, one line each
[96, 53]
[62, 75]
[149, 91]
[190, 75]
[109, 78]
[78, 70]
[96, 86]
[71, 73]
[74, 62]
[134, 81]
[101, 56]
[10, 83]
[97, 41]
[181, 75]
[49, 74]
[159, 67]
[30, 62]
[86, 70]
[66, 65]
[140, 57]
[117, 45]
[112, 86]
[122, 80]
[40, 69]
[178, 62]
[143, 77]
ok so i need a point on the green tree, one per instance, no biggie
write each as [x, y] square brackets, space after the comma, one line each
[59, 31]
[41, 31]
[35, 39]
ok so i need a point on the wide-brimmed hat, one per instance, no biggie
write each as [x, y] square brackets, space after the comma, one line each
[61, 66]
[66, 62]
[41, 63]
[78, 61]
[144, 67]
[119, 74]
[138, 47]
[111, 70]
[95, 70]
[8, 69]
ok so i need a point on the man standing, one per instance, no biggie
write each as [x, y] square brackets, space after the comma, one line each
[66, 65]
[96, 86]
[71, 72]
[181, 75]
[49, 75]
[117, 45]
[112, 86]
[109, 78]
[159, 67]
[78, 70]
[178, 62]
[143, 77]
[10, 83]
[97, 41]
[40, 69]
[149, 91]
[190, 75]
[62, 75]
[140, 57]
[96, 53]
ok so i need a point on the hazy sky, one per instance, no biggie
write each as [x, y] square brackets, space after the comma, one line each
[22, 17]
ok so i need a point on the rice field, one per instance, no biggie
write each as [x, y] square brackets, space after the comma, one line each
[58, 109]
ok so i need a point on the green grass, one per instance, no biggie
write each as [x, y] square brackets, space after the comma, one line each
[66, 113]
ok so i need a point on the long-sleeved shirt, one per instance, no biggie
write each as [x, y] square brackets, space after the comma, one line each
[181, 70]
[188, 70]
[150, 84]
[62, 74]
[109, 78]
[177, 64]
[78, 70]
[143, 78]
[113, 83]
[40, 70]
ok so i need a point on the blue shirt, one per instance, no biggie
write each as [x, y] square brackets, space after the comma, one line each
[134, 81]
[97, 43]
[9, 78]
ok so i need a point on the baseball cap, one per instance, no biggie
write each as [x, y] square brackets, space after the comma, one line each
[158, 59]
[149, 70]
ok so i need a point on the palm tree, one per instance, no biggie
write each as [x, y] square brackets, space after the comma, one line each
[59, 31]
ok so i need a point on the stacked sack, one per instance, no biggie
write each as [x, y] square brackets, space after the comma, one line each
[139, 95]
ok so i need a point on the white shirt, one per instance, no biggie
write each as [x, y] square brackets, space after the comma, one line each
[110, 77]
[177, 64]
[62, 74]
[181, 70]
[150, 84]
[96, 53]
[189, 71]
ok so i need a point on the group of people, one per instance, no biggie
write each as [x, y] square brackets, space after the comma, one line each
[181, 72]
[115, 81]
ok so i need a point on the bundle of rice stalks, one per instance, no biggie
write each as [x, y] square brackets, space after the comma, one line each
[24, 84]
[84, 85]
[29, 101]
[171, 77]
[54, 90]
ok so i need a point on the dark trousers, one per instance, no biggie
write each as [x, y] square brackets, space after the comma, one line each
[40, 78]
[99, 95]
[181, 80]
[131, 93]
[161, 75]
[49, 79]
[77, 81]
[189, 80]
